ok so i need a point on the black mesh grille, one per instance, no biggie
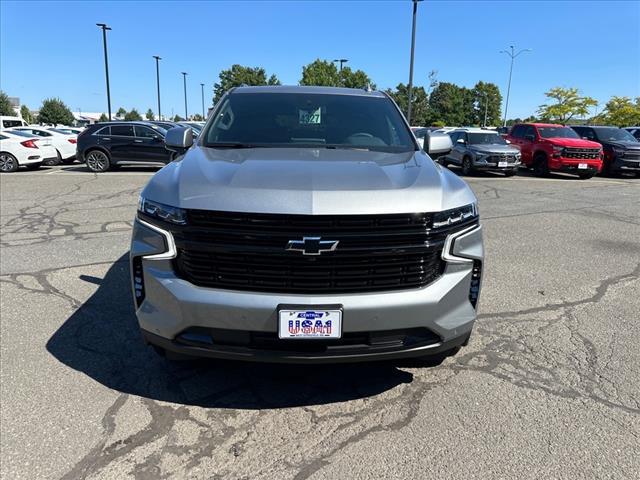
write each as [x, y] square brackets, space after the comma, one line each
[242, 251]
[581, 153]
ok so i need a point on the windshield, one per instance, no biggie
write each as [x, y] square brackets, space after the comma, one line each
[62, 130]
[309, 120]
[557, 132]
[20, 133]
[614, 134]
[486, 138]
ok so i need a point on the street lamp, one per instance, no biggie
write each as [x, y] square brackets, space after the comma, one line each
[158, 82]
[184, 78]
[513, 57]
[202, 89]
[486, 106]
[341, 61]
[104, 28]
[413, 46]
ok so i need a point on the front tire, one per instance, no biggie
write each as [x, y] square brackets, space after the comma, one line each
[98, 161]
[586, 176]
[467, 166]
[510, 173]
[541, 165]
[8, 163]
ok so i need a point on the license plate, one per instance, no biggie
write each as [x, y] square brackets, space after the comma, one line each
[503, 164]
[582, 166]
[309, 323]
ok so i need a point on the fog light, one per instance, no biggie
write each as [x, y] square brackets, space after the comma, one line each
[476, 276]
[138, 281]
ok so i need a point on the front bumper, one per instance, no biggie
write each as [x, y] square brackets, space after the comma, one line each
[621, 164]
[168, 306]
[480, 163]
[567, 165]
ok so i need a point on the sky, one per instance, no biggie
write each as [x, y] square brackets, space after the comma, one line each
[54, 49]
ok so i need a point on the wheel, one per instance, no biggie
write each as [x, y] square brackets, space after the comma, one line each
[8, 163]
[34, 166]
[467, 166]
[53, 161]
[98, 161]
[510, 173]
[540, 165]
[586, 176]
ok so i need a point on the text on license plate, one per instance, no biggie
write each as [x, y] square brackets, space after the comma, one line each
[309, 323]
[503, 164]
[582, 166]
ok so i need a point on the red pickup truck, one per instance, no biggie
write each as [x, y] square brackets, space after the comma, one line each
[548, 147]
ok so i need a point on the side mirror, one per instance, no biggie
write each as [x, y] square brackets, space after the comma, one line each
[530, 137]
[508, 141]
[461, 141]
[179, 139]
[586, 138]
[437, 144]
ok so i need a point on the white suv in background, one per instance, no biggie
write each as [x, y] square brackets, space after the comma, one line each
[64, 144]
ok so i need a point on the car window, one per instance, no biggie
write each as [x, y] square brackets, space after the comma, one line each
[310, 120]
[529, 131]
[613, 135]
[485, 138]
[11, 123]
[122, 130]
[20, 133]
[2, 137]
[103, 131]
[146, 132]
[518, 131]
[455, 136]
[41, 133]
[557, 132]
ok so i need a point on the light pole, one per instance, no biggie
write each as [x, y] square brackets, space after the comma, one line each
[413, 47]
[341, 61]
[486, 106]
[184, 78]
[513, 57]
[158, 82]
[104, 28]
[202, 89]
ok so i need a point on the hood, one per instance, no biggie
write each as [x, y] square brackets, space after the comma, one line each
[491, 148]
[627, 145]
[307, 181]
[573, 142]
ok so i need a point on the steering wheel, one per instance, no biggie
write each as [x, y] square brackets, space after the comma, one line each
[361, 134]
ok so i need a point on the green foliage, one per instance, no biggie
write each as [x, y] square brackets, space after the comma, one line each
[451, 104]
[568, 104]
[197, 118]
[240, 75]
[54, 111]
[103, 118]
[133, 115]
[149, 115]
[121, 112]
[26, 114]
[178, 118]
[486, 95]
[326, 74]
[5, 105]
[420, 103]
[621, 112]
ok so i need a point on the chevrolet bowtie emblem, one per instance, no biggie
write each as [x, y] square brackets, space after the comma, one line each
[312, 245]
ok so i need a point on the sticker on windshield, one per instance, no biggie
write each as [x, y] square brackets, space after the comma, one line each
[310, 117]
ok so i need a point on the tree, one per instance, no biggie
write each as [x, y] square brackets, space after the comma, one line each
[198, 118]
[326, 74]
[177, 118]
[620, 111]
[487, 96]
[103, 118]
[5, 105]
[420, 104]
[121, 113]
[447, 104]
[25, 113]
[54, 111]
[240, 75]
[568, 104]
[133, 115]
[149, 115]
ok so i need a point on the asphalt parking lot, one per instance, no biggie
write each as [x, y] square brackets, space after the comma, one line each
[547, 388]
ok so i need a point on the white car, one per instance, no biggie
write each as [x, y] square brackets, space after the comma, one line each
[66, 130]
[48, 154]
[16, 151]
[64, 144]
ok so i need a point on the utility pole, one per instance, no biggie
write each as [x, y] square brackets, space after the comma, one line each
[202, 89]
[513, 57]
[104, 28]
[486, 107]
[413, 47]
[341, 61]
[158, 83]
[184, 78]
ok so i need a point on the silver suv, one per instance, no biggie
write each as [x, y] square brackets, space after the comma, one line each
[305, 225]
[482, 149]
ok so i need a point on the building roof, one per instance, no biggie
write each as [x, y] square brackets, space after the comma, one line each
[308, 90]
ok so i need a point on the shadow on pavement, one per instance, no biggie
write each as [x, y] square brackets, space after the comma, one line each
[102, 340]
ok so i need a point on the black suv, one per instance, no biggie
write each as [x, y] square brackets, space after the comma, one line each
[105, 145]
[621, 149]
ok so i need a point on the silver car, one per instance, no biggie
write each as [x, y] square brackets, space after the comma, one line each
[482, 149]
[305, 225]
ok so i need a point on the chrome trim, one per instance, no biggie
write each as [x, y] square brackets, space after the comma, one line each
[447, 256]
[171, 244]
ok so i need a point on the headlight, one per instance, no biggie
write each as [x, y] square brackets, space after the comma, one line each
[518, 155]
[619, 151]
[557, 150]
[455, 215]
[162, 212]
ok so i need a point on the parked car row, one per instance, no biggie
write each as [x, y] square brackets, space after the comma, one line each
[544, 148]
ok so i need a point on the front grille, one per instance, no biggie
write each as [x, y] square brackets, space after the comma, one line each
[241, 251]
[501, 158]
[581, 153]
[632, 155]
